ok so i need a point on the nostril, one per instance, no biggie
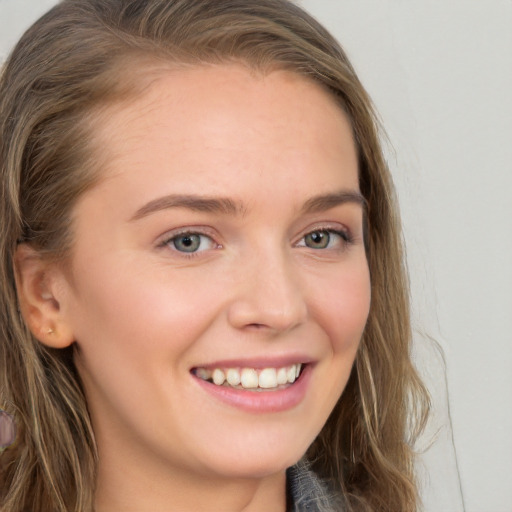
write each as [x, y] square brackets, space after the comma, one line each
[256, 326]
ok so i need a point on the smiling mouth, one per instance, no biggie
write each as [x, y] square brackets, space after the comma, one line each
[251, 379]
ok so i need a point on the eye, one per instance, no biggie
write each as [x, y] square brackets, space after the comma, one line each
[190, 242]
[325, 239]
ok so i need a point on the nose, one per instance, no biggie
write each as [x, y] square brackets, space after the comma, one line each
[267, 296]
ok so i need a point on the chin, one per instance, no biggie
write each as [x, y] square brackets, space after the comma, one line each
[256, 460]
[255, 469]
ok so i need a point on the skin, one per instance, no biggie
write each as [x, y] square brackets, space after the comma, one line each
[143, 314]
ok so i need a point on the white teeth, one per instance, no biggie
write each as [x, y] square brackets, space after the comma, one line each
[249, 378]
[282, 376]
[291, 374]
[268, 378]
[218, 377]
[233, 377]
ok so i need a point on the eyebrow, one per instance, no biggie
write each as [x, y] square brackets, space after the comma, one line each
[222, 205]
[325, 202]
[227, 206]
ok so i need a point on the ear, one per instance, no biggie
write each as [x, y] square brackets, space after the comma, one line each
[40, 294]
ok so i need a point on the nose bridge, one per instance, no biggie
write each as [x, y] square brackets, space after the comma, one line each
[268, 292]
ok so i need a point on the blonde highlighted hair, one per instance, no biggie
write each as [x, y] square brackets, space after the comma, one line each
[84, 55]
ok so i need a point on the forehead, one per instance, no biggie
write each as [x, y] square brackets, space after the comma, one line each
[220, 118]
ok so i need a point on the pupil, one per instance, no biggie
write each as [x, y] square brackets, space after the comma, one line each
[318, 240]
[187, 243]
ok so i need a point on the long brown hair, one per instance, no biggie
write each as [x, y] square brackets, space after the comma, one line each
[84, 55]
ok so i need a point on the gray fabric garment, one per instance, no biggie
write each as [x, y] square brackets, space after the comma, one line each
[307, 493]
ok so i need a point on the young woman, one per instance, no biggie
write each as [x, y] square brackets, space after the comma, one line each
[204, 304]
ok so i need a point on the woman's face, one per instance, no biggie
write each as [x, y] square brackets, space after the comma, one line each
[225, 241]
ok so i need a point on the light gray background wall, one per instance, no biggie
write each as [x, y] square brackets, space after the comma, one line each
[440, 74]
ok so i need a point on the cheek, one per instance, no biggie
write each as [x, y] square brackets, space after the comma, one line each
[343, 309]
[144, 313]
[133, 336]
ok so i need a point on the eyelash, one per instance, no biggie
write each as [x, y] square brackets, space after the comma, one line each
[345, 236]
[168, 241]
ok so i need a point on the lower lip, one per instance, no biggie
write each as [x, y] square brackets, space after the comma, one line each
[261, 401]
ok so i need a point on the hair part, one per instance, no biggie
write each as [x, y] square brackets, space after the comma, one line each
[71, 66]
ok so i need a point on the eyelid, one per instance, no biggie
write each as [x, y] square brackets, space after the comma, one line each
[165, 240]
[340, 239]
[339, 229]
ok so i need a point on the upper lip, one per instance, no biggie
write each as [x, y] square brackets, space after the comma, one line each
[258, 363]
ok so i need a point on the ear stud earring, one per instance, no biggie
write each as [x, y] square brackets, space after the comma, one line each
[50, 331]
